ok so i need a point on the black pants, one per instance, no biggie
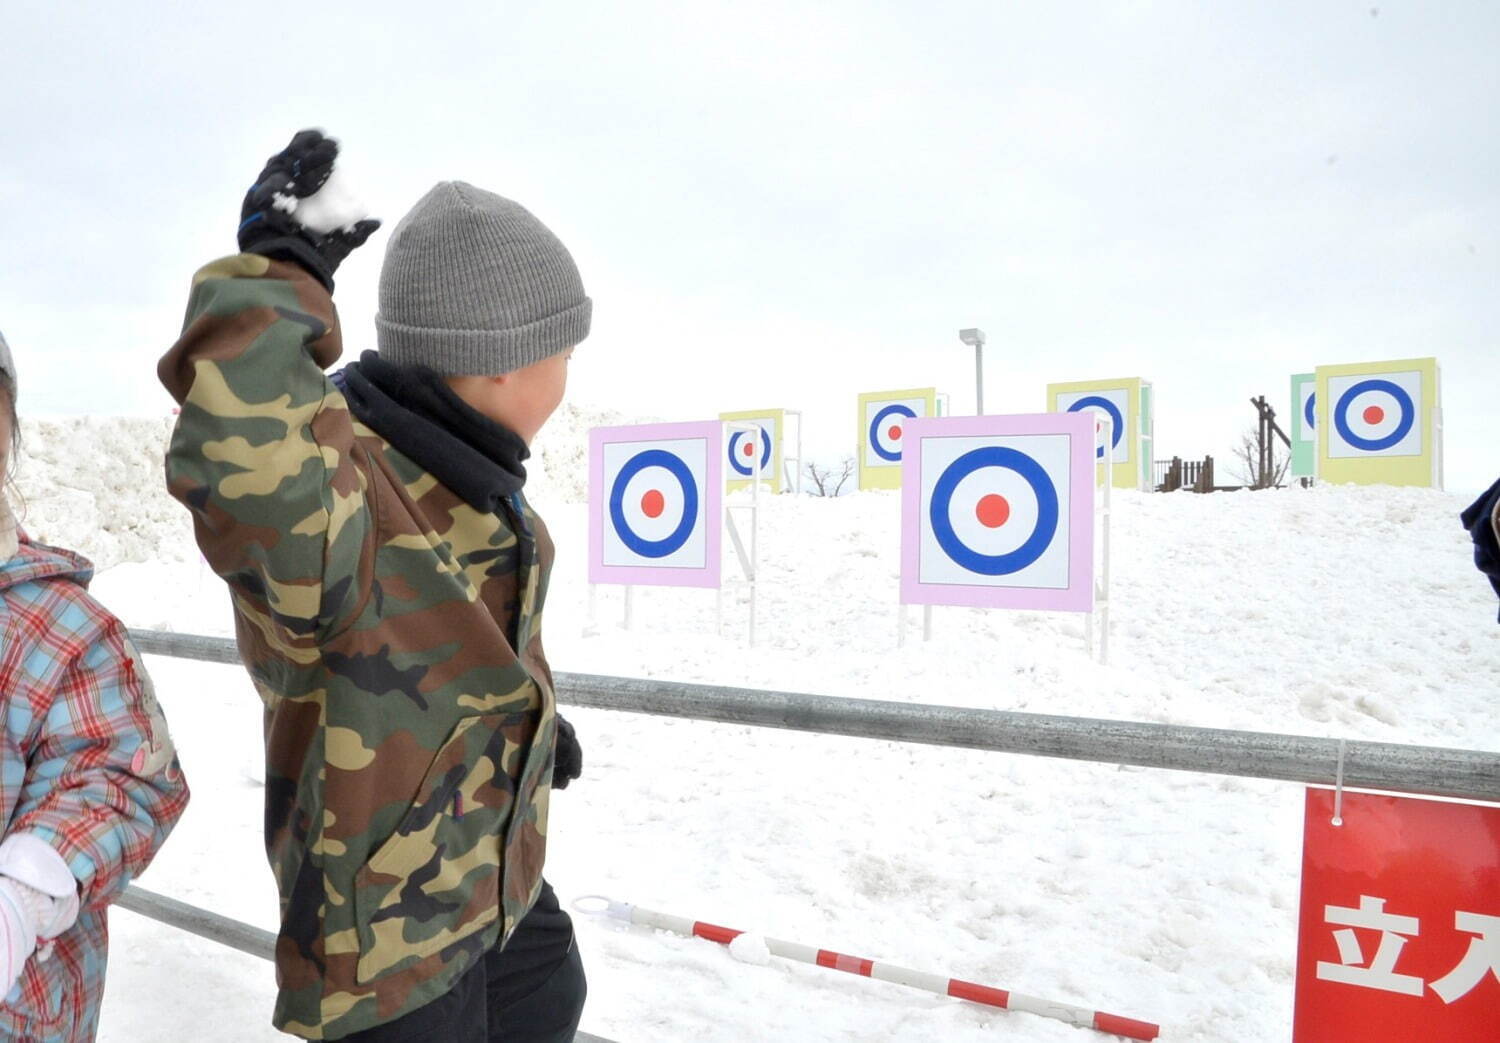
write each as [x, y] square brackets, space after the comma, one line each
[532, 991]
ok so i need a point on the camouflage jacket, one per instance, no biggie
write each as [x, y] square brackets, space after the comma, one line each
[394, 633]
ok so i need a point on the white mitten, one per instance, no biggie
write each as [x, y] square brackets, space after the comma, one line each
[38, 902]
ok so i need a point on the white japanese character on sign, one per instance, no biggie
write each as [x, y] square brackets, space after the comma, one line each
[1482, 958]
[1381, 972]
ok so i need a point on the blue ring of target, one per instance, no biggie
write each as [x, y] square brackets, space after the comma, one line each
[1114, 415]
[880, 450]
[1374, 445]
[765, 452]
[1307, 410]
[1046, 511]
[679, 470]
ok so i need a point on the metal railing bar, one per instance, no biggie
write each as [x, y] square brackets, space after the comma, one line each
[1429, 770]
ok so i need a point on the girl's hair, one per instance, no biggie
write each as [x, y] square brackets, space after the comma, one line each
[10, 451]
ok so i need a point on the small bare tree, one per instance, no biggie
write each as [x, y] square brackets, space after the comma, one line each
[827, 482]
[1257, 469]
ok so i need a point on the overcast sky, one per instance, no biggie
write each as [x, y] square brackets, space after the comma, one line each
[782, 204]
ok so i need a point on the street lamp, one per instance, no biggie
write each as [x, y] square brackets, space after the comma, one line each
[976, 338]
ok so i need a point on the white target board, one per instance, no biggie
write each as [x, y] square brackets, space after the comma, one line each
[1376, 414]
[656, 504]
[1115, 403]
[998, 511]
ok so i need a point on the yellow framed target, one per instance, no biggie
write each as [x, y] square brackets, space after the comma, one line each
[1380, 423]
[882, 420]
[1127, 401]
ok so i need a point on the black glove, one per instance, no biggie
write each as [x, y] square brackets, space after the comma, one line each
[569, 763]
[298, 170]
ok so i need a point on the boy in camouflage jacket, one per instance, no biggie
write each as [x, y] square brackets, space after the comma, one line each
[388, 578]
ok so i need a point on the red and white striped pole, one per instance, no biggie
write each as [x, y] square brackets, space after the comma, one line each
[956, 987]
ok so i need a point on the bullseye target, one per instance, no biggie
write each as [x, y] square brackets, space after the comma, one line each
[886, 429]
[884, 419]
[1375, 415]
[741, 453]
[751, 456]
[995, 510]
[655, 504]
[1113, 403]
[999, 511]
[1309, 410]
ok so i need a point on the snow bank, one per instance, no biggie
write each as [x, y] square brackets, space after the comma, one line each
[95, 485]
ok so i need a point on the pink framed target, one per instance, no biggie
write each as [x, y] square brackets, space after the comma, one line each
[998, 511]
[656, 504]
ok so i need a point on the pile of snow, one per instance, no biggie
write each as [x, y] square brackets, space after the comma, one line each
[96, 485]
[1160, 895]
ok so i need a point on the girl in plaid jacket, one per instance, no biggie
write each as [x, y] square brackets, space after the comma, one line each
[89, 781]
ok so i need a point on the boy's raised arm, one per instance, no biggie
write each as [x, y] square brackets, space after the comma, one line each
[263, 453]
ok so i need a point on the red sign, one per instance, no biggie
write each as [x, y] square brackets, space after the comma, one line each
[1399, 935]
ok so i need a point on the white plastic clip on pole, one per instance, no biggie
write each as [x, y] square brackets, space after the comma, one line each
[1338, 787]
[598, 905]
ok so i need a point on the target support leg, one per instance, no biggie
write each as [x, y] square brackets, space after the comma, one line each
[593, 603]
[926, 622]
[901, 626]
[629, 604]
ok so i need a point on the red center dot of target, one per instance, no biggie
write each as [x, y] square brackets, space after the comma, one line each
[1374, 415]
[653, 503]
[749, 449]
[993, 510]
[894, 434]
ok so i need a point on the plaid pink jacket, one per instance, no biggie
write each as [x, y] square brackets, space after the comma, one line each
[85, 764]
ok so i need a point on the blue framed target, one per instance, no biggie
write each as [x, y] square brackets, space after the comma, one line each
[655, 504]
[998, 511]
[1309, 408]
[1375, 415]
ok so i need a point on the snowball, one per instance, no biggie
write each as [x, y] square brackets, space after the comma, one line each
[750, 948]
[331, 207]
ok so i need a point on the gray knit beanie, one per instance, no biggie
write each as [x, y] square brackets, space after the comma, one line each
[473, 284]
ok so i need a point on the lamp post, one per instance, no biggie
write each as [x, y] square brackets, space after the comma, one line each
[976, 337]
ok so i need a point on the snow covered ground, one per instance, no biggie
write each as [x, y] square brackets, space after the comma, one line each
[1159, 895]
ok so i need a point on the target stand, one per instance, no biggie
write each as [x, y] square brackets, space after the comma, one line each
[1304, 426]
[655, 507]
[1129, 402]
[1003, 512]
[779, 439]
[746, 550]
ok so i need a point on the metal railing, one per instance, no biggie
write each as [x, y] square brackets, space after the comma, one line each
[1428, 770]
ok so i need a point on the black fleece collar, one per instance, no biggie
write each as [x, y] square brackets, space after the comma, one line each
[412, 408]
